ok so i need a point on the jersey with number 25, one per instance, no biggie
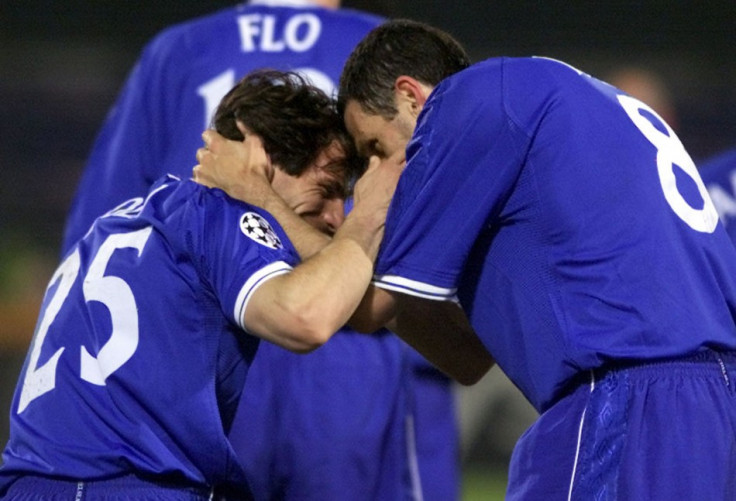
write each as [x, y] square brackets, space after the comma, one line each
[568, 219]
[139, 355]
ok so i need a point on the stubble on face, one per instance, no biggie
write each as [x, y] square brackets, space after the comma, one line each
[375, 135]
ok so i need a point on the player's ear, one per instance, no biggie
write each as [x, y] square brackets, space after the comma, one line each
[412, 91]
[242, 128]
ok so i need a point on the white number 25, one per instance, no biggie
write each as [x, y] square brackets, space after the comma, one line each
[111, 291]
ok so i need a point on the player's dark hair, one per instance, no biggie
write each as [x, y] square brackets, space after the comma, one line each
[294, 119]
[395, 48]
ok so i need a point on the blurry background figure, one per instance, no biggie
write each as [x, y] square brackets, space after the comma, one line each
[719, 176]
[648, 87]
[717, 170]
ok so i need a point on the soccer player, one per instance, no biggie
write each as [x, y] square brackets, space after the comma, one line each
[140, 354]
[574, 229]
[356, 387]
[719, 175]
[170, 95]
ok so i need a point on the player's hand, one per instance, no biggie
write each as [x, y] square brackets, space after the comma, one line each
[241, 169]
[372, 195]
[376, 187]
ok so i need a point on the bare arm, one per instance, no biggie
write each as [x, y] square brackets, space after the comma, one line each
[301, 310]
[439, 330]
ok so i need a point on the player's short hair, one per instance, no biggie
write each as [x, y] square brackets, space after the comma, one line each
[294, 119]
[395, 48]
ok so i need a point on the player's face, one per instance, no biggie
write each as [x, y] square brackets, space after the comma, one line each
[316, 195]
[377, 135]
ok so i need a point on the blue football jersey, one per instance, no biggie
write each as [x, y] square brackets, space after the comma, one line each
[156, 124]
[567, 219]
[719, 175]
[139, 356]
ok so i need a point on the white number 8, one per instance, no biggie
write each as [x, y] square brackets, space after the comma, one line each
[671, 152]
[111, 291]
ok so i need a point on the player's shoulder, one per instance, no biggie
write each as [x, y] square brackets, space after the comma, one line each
[176, 206]
[174, 197]
[205, 22]
[353, 17]
[199, 30]
[541, 78]
[171, 191]
[469, 84]
[544, 67]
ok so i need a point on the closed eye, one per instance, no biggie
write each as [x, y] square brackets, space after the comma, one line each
[369, 148]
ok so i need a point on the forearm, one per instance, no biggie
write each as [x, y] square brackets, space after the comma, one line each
[307, 240]
[301, 310]
[439, 330]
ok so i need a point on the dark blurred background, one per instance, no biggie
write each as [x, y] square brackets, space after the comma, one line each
[63, 62]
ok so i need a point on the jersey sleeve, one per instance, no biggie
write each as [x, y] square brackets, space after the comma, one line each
[239, 249]
[130, 145]
[462, 162]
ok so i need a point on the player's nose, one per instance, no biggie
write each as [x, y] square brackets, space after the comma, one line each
[334, 213]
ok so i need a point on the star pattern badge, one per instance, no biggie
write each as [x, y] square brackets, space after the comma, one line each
[255, 227]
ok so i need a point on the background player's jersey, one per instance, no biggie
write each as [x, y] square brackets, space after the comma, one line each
[139, 359]
[156, 124]
[568, 219]
[719, 175]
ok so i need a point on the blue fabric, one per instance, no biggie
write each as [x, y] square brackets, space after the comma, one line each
[326, 425]
[656, 431]
[126, 488]
[437, 447]
[154, 293]
[573, 226]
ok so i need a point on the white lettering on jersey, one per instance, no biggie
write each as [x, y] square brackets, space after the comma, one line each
[114, 293]
[258, 32]
[213, 90]
[671, 153]
[40, 379]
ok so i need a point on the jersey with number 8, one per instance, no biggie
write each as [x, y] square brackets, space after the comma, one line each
[574, 226]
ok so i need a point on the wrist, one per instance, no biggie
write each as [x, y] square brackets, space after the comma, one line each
[260, 196]
[365, 229]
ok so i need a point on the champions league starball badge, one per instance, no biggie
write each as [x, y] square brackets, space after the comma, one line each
[257, 228]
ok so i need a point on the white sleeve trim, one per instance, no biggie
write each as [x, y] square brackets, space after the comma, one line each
[415, 288]
[256, 280]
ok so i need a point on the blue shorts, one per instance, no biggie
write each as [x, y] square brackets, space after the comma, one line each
[125, 488]
[329, 425]
[657, 431]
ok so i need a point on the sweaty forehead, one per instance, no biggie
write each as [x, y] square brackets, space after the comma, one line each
[357, 120]
[330, 169]
[363, 127]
